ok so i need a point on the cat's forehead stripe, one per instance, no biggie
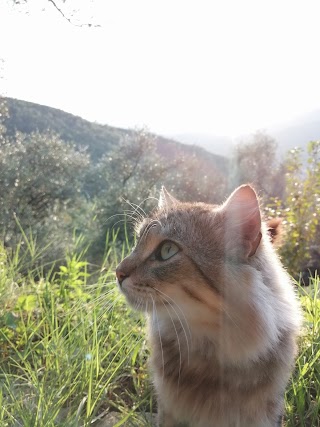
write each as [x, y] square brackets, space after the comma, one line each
[151, 235]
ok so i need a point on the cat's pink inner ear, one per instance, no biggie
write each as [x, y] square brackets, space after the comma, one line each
[166, 200]
[243, 217]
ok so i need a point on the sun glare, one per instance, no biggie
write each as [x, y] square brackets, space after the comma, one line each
[216, 67]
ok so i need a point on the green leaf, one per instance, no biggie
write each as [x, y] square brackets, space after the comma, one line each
[27, 302]
[11, 320]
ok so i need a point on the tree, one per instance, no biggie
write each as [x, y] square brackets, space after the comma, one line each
[3, 117]
[255, 161]
[62, 7]
[131, 172]
[125, 184]
[195, 180]
[300, 210]
[40, 175]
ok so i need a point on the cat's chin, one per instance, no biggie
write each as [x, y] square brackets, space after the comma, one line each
[139, 304]
[144, 303]
[137, 296]
[148, 306]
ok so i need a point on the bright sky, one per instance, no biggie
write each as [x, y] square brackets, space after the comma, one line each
[177, 66]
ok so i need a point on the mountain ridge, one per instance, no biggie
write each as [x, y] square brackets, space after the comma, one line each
[28, 117]
[288, 135]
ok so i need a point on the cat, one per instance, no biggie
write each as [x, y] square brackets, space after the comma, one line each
[223, 317]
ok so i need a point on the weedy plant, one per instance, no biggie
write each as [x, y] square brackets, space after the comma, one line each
[71, 350]
[303, 394]
[300, 208]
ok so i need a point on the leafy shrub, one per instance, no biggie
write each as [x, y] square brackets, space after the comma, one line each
[300, 208]
[71, 350]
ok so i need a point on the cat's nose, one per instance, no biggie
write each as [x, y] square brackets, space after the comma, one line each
[120, 276]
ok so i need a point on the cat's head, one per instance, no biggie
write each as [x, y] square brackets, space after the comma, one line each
[185, 251]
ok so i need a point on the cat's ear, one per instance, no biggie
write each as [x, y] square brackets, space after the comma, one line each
[166, 201]
[243, 220]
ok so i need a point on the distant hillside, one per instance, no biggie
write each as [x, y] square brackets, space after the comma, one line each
[296, 133]
[99, 139]
[28, 117]
[220, 145]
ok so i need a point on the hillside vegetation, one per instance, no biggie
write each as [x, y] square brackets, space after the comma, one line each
[65, 175]
[27, 117]
[71, 350]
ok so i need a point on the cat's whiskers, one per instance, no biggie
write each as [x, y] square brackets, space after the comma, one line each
[146, 306]
[165, 297]
[139, 205]
[135, 216]
[103, 296]
[132, 221]
[151, 225]
[140, 215]
[94, 287]
[104, 301]
[108, 306]
[137, 208]
[125, 215]
[154, 311]
[179, 345]
[97, 299]
[139, 304]
[102, 285]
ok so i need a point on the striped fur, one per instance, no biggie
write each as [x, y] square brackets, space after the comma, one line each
[222, 313]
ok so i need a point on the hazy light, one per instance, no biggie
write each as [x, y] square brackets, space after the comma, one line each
[224, 67]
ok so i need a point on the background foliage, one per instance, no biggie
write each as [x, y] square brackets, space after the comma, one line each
[62, 175]
[70, 349]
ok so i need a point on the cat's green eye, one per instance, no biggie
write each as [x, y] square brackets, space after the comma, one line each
[168, 250]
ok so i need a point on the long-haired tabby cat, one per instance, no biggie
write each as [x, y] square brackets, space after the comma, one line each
[223, 317]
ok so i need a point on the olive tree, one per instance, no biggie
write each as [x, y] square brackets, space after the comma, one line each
[40, 176]
[255, 160]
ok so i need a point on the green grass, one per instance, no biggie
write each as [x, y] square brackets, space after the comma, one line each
[71, 350]
[303, 394]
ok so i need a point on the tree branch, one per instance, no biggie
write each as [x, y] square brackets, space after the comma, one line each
[54, 4]
[69, 19]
